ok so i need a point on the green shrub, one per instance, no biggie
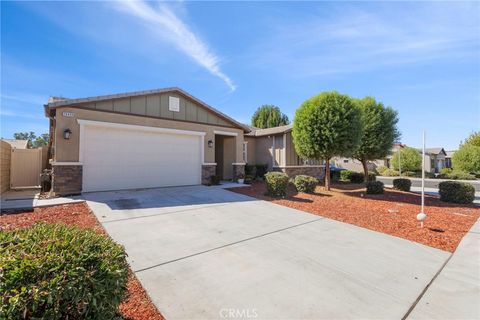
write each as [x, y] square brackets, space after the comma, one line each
[214, 180]
[459, 175]
[250, 170]
[390, 173]
[381, 169]
[53, 271]
[248, 179]
[304, 183]
[356, 177]
[457, 192]
[446, 170]
[261, 170]
[335, 175]
[345, 175]
[412, 174]
[277, 183]
[372, 176]
[402, 184]
[374, 187]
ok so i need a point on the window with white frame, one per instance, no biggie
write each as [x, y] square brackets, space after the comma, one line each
[245, 152]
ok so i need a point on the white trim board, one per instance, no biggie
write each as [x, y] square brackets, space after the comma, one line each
[63, 163]
[225, 133]
[83, 122]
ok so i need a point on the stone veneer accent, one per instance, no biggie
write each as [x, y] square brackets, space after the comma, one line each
[314, 171]
[237, 170]
[208, 170]
[67, 179]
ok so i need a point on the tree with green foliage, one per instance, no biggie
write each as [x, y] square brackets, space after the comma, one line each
[379, 131]
[473, 139]
[410, 159]
[269, 116]
[467, 158]
[325, 126]
[33, 140]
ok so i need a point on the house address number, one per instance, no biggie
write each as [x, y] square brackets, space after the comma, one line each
[68, 114]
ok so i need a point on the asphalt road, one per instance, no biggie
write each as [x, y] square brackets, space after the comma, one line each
[429, 183]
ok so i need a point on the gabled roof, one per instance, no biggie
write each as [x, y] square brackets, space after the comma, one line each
[450, 153]
[55, 102]
[17, 144]
[270, 131]
[435, 151]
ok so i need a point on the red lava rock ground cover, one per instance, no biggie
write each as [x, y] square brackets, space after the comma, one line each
[444, 227]
[136, 305]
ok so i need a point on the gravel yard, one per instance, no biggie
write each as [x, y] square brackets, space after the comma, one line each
[136, 305]
[393, 212]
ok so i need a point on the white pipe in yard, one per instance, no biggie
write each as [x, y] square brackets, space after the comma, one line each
[422, 216]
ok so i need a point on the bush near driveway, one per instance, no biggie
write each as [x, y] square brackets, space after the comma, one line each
[402, 184]
[277, 183]
[457, 192]
[389, 173]
[53, 271]
[304, 183]
[374, 187]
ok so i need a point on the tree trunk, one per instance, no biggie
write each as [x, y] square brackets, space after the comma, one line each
[327, 174]
[365, 169]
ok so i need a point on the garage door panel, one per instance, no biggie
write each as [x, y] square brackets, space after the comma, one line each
[124, 159]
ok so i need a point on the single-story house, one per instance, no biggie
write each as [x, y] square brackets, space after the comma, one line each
[274, 147]
[434, 159]
[448, 158]
[156, 138]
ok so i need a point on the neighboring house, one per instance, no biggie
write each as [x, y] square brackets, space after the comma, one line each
[434, 159]
[158, 138]
[17, 144]
[274, 147]
[355, 165]
[448, 158]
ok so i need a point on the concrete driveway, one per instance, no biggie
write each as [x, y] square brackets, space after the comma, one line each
[207, 253]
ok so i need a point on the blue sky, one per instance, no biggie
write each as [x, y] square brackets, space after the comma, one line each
[421, 58]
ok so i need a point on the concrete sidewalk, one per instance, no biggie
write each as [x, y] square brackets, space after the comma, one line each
[14, 200]
[455, 293]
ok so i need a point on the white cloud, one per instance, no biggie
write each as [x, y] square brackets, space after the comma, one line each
[169, 27]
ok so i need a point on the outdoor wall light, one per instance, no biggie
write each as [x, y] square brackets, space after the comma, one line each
[210, 143]
[67, 133]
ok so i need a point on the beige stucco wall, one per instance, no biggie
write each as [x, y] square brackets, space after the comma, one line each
[251, 153]
[5, 156]
[263, 151]
[68, 150]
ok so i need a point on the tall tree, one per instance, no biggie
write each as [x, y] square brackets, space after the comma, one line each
[379, 131]
[467, 158]
[410, 159]
[30, 136]
[41, 140]
[269, 116]
[325, 126]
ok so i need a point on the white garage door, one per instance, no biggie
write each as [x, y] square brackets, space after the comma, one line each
[126, 157]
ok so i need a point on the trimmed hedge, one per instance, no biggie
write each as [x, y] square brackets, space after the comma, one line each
[457, 175]
[390, 173]
[277, 183]
[248, 179]
[356, 177]
[54, 271]
[457, 192]
[261, 170]
[402, 184]
[375, 187]
[214, 180]
[304, 183]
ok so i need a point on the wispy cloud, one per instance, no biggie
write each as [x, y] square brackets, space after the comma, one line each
[352, 39]
[168, 26]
